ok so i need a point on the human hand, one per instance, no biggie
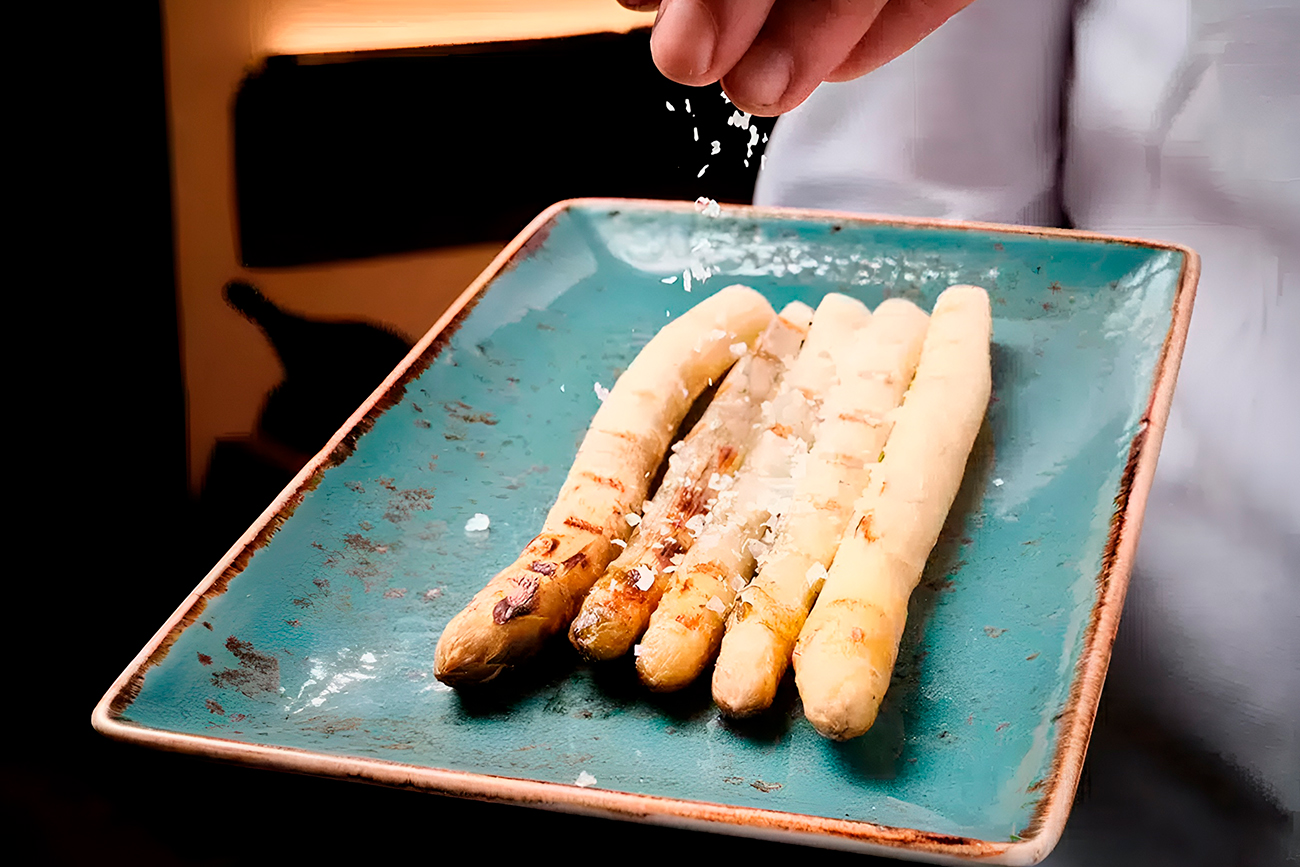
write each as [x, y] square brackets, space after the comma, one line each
[771, 54]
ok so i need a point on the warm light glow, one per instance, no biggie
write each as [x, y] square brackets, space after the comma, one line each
[315, 26]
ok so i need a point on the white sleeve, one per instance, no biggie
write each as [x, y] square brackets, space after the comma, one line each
[964, 126]
[1184, 126]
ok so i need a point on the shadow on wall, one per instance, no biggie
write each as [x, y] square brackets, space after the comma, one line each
[330, 368]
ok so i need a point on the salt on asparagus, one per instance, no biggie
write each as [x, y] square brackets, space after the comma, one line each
[686, 627]
[537, 595]
[616, 610]
[856, 419]
[846, 652]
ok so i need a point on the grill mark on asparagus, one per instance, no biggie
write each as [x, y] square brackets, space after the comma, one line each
[605, 481]
[579, 524]
[518, 601]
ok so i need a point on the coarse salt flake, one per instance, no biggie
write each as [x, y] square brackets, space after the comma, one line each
[586, 780]
[738, 349]
[816, 572]
[670, 105]
[645, 578]
[715, 604]
[632, 519]
[636, 650]
[619, 542]
[708, 207]
[478, 523]
[702, 171]
[601, 392]
[716, 147]
[669, 280]
[998, 483]
[686, 279]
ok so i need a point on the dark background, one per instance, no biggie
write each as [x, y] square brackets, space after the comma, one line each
[105, 542]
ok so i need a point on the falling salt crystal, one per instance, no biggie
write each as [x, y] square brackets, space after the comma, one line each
[619, 542]
[632, 519]
[764, 138]
[998, 483]
[670, 106]
[561, 386]
[724, 97]
[586, 780]
[715, 604]
[717, 148]
[746, 163]
[702, 171]
[686, 279]
[762, 161]
[688, 106]
[478, 523]
[669, 280]
[696, 130]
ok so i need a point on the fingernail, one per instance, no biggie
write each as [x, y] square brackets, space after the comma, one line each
[761, 77]
[683, 39]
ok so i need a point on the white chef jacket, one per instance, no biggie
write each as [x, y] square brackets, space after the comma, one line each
[1167, 119]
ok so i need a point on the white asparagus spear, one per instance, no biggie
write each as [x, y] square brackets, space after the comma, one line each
[856, 418]
[537, 595]
[617, 608]
[846, 651]
[686, 627]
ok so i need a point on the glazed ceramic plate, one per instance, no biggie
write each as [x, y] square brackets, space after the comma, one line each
[310, 646]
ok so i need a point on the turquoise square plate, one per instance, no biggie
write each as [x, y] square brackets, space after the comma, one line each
[309, 647]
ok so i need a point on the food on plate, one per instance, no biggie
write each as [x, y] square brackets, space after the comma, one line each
[846, 651]
[856, 418]
[685, 628]
[538, 595]
[701, 466]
